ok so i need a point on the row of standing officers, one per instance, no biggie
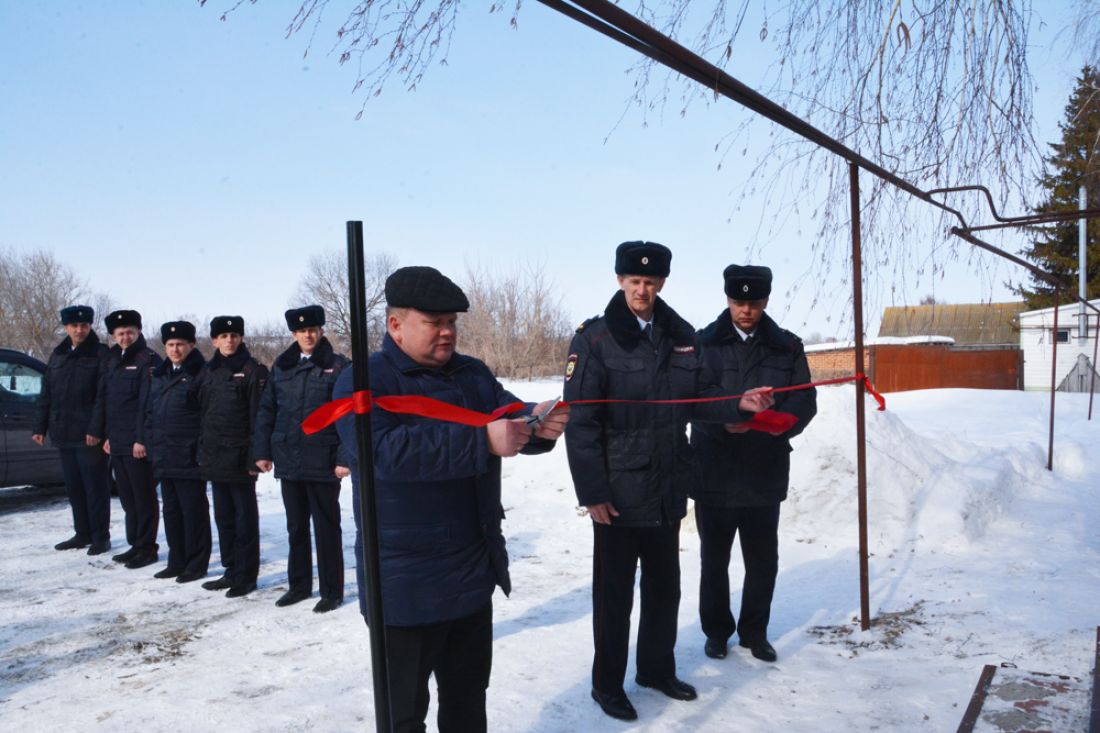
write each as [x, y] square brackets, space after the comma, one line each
[439, 511]
[183, 422]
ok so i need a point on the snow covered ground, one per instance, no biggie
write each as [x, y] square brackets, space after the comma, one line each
[979, 556]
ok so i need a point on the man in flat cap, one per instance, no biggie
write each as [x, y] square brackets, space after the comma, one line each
[632, 467]
[309, 467]
[128, 373]
[230, 396]
[170, 435]
[744, 474]
[438, 503]
[66, 411]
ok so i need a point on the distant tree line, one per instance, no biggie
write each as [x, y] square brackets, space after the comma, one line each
[516, 322]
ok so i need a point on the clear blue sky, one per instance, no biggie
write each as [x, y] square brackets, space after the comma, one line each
[186, 165]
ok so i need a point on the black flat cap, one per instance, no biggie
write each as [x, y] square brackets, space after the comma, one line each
[305, 317]
[77, 314]
[226, 324]
[748, 282]
[643, 258]
[118, 319]
[425, 289]
[182, 330]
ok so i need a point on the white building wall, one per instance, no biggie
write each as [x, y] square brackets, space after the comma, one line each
[1035, 341]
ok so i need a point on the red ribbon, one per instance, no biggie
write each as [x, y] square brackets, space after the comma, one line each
[361, 402]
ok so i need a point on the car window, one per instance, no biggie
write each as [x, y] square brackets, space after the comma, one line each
[19, 383]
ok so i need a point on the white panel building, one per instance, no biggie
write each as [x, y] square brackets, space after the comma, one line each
[1036, 334]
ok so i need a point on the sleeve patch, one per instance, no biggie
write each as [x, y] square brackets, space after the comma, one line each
[570, 366]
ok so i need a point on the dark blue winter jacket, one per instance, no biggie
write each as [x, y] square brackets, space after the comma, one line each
[438, 489]
[127, 377]
[296, 388]
[170, 431]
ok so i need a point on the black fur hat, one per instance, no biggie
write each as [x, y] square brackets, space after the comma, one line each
[118, 319]
[305, 317]
[77, 314]
[643, 258]
[747, 282]
[177, 330]
[226, 324]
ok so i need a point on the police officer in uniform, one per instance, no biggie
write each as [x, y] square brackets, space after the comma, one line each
[131, 366]
[744, 474]
[438, 503]
[170, 435]
[632, 467]
[301, 380]
[67, 412]
[230, 395]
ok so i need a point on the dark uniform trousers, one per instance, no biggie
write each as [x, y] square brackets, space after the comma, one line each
[137, 491]
[321, 501]
[759, 528]
[186, 524]
[460, 654]
[238, 520]
[87, 483]
[616, 554]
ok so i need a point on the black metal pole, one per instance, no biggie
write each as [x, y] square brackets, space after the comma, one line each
[861, 429]
[360, 353]
[1053, 376]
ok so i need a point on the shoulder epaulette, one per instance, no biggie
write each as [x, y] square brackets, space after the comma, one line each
[587, 322]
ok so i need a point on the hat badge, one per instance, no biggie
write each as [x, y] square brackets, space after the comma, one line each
[744, 288]
[229, 322]
[172, 329]
[301, 319]
[645, 260]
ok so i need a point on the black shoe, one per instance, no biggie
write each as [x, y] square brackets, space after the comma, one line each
[328, 604]
[617, 706]
[715, 649]
[190, 576]
[293, 596]
[220, 583]
[143, 558]
[73, 543]
[243, 589]
[673, 687]
[98, 548]
[166, 573]
[762, 650]
[125, 556]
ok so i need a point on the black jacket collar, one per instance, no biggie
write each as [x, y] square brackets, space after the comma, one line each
[322, 356]
[191, 365]
[87, 347]
[767, 332]
[406, 363]
[131, 353]
[233, 363]
[623, 324]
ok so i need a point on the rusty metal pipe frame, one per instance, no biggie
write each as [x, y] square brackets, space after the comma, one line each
[614, 22]
[861, 428]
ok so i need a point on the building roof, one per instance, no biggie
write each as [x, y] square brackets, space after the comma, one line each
[879, 341]
[985, 324]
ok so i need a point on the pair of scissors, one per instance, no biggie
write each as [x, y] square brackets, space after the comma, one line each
[534, 420]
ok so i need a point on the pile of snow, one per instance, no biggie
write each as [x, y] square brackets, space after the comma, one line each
[979, 555]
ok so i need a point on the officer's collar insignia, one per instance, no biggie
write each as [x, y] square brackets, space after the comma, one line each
[570, 367]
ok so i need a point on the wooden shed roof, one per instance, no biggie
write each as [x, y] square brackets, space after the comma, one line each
[969, 323]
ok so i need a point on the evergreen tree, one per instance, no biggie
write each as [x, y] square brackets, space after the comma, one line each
[1073, 162]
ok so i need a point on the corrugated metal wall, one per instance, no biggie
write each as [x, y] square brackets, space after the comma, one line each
[908, 367]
